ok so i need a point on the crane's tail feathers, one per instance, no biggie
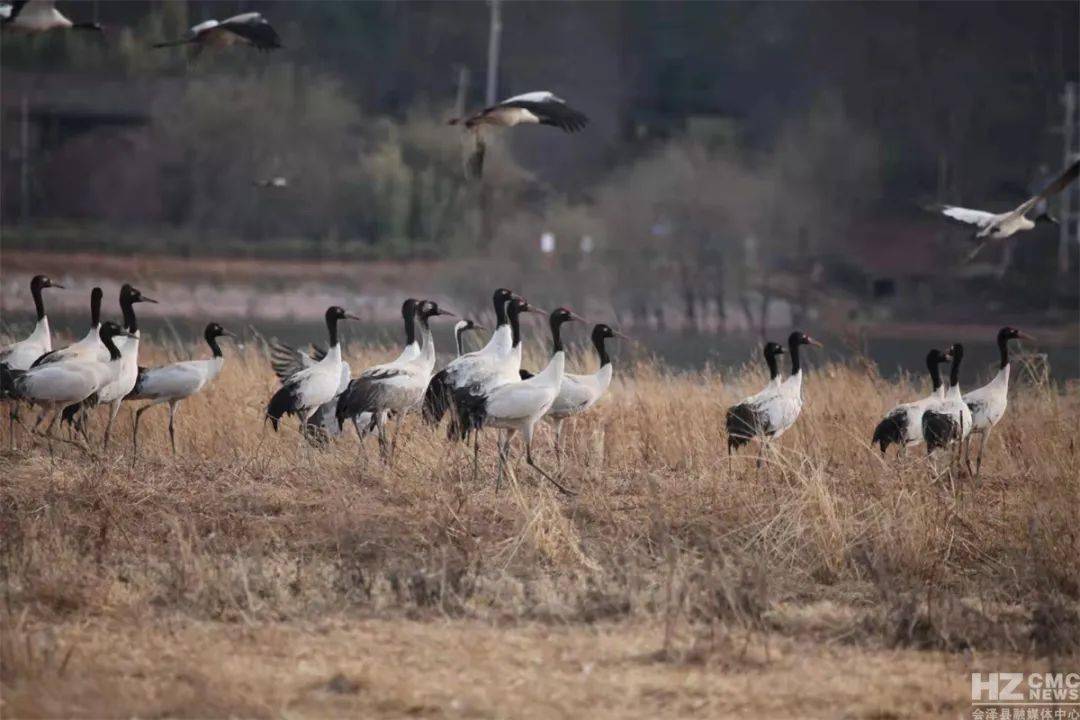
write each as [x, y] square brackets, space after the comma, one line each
[939, 430]
[887, 432]
[284, 401]
[437, 399]
[742, 425]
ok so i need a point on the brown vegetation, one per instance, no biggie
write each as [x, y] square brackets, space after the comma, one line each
[253, 575]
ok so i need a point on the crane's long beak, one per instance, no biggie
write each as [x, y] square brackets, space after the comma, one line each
[147, 299]
[350, 316]
[447, 313]
[578, 318]
[534, 309]
[230, 333]
[812, 341]
[57, 285]
[1024, 335]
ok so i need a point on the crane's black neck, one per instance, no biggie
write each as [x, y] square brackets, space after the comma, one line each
[39, 303]
[408, 315]
[128, 308]
[935, 370]
[95, 307]
[954, 372]
[793, 349]
[1003, 349]
[515, 326]
[556, 336]
[114, 353]
[331, 328]
[598, 343]
[211, 340]
[500, 311]
[774, 368]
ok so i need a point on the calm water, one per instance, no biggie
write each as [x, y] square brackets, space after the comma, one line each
[681, 350]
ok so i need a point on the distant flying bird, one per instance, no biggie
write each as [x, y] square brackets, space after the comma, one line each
[246, 29]
[988, 403]
[38, 16]
[533, 108]
[903, 424]
[277, 182]
[999, 226]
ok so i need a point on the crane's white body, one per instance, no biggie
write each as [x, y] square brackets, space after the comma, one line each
[781, 407]
[178, 380]
[988, 403]
[319, 383]
[909, 416]
[578, 393]
[66, 383]
[517, 405]
[21, 355]
[37, 16]
[89, 347]
[953, 407]
[992, 225]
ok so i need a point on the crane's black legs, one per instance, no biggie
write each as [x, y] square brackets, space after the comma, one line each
[537, 468]
[172, 416]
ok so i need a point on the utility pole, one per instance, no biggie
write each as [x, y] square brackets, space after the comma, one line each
[462, 91]
[494, 36]
[1070, 202]
[24, 161]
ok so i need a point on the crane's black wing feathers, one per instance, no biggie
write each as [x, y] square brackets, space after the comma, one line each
[890, 430]
[1061, 181]
[553, 113]
[259, 33]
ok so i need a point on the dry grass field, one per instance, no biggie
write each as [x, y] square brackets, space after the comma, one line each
[255, 576]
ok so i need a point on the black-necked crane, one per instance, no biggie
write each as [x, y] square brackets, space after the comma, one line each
[176, 381]
[113, 393]
[287, 360]
[903, 424]
[307, 389]
[518, 405]
[460, 328]
[33, 17]
[470, 368]
[532, 108]
[249, 28]
[21, 355]
[87, 347]
[56, 385]
[998, 226]
[578, 393]
[948, 421]
[396, 387]
[747, 419]
[988, 403]
[777, 411]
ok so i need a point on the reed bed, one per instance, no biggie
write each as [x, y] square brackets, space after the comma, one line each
[827, 542]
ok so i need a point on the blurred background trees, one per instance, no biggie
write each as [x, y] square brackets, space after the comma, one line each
[737, 157]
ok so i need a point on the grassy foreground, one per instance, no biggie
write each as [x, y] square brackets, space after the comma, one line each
[252, 575]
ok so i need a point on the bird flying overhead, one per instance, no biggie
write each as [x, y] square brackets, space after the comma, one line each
[246, 29]
[998, 226]
[532, 108]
